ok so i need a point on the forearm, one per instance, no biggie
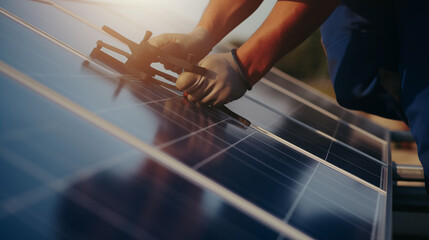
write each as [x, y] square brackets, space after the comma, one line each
[222, 16]
[289, 23]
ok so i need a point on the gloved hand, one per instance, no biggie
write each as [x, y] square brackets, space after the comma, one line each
[221, 84]
[198, 43]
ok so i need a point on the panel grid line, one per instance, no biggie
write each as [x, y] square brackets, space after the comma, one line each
[23, 200]
[295, 204]
[207, 160]
[294, 169]
[300, 99]
[320, 132]
[374, 223]
[132, 105]
[298, 199]
[166, 144]
[330, 165]
[162, 158]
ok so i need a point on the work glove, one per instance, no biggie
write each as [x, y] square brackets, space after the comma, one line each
[222, 83]
[197, 44]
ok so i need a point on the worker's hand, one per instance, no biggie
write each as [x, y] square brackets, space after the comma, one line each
[221, 84]
[198, 43]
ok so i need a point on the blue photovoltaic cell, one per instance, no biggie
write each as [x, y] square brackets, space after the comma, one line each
[369, 145]
[319, 121]
[126, 195]
[365, 168]
[284, 127]
[279, 78]
[319, 213]
[139, 198]
[311, 141]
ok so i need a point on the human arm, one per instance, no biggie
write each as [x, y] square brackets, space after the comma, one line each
[288, 24]
[222, 16]
[218, 19]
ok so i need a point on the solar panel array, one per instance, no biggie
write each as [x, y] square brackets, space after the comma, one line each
[78, 163]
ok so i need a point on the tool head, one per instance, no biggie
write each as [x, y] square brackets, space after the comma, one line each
[139, 61]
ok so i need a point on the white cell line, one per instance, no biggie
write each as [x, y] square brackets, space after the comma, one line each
[49, 37]
[16, 204]
[68, 12]
[343, 207]
[314, 91]
[321, 160]
[357, 166]
[160, 157]
[80, 75]
[282, 163]
[361, 152]
[375, 220]
[330, 165]
[336, 214]
[207, 160]
[322, 133]
[297, 171]
[181, 117]
[297, 201]
[278, 159]
[340, 183]
[108, 3]
[15, 134]
[295, 81]
[26, 166]
[24, 200]
[220, 139]
[317, 108]
[294, 159]
[104, 213]
[131, 105]
[301, 194]
[188, 135]
[21, 201]
[126, 225]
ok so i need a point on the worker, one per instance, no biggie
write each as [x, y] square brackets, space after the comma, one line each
[363, 39]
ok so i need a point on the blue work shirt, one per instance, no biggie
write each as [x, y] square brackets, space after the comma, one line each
[363, 39]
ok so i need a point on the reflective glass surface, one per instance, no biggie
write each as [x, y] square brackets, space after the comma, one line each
[89, 184]
[279, 79]
[65, 178]
[327, 123]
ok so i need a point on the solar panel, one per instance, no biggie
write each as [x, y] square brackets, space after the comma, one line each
[62, 186]
[81, 163]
